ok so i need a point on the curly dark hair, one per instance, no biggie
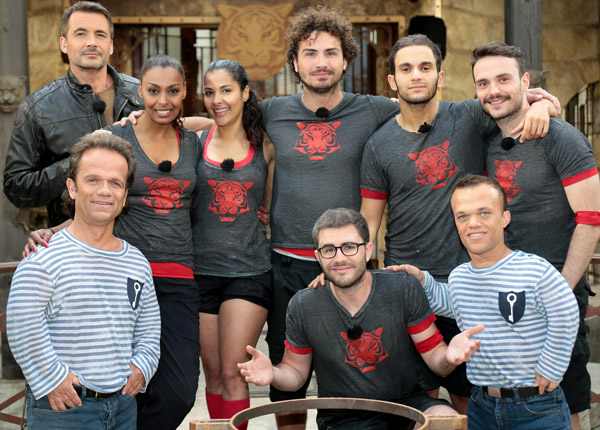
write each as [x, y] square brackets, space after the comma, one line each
[252, 114]
[320, 19]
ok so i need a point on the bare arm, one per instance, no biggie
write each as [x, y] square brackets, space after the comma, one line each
[582, 196]
[372, 210]
[289, 375]
[269, 153]
[197, 123]
[444, 358]
[536, 122]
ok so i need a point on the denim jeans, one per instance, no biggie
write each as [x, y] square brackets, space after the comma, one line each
[548, 411]
[117, 412]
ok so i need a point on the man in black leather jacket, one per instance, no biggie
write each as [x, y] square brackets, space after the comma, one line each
[51, 120]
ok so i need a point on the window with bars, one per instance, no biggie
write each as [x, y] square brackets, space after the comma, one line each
[196, 49]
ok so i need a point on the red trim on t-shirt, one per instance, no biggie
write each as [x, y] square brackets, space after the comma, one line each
[171, 270]
[429, 343]
[237, 164]
[300, 252]
[373, 194]
[579, 177]
[296, 350]
[422, 326]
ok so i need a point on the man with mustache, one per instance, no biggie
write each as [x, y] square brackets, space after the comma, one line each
[552, 189]
[49, 122]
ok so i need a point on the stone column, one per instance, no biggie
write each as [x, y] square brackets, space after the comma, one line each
[523, 28]
[14, 70]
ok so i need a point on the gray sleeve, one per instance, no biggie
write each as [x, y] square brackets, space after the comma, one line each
[372, 175]
[294, 325]
[386, 109]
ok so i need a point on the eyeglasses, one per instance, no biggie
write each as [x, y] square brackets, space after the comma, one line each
[348, 249]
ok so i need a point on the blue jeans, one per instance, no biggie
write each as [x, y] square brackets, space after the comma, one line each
[548, 411]
[117, 412]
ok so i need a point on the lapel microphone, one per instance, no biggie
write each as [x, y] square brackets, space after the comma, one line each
[424, 128]
[507, 143]
[227, 164]
[98, 105]
[322, 112]
[165, 166]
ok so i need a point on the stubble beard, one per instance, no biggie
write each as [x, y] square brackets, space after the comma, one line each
[357, 280]
[329, 89]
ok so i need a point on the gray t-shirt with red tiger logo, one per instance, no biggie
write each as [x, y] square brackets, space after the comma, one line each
[229, 239]
[317, 160]
[158, 220]
[379, 364]
[416, 173]
[534, 175]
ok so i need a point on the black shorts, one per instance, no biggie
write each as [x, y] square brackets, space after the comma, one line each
[576, 383]
[214, 290]
[339, 419]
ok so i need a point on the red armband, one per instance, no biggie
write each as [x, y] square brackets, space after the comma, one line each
[587, 217]
[295, 349]
[429, 343]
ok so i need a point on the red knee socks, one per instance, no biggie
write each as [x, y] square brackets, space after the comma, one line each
[214, 402]
[231, 407]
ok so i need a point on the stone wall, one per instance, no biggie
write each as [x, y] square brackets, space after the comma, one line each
[45, 61]
[571, 45]
[207, 8]
[469, 23]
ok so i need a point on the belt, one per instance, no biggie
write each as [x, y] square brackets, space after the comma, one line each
[509, 393]
[91, 393]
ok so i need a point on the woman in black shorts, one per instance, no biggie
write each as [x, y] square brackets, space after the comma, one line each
[231, 249]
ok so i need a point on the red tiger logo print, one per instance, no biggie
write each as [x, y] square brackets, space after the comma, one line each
[366, 352]
[506, 176]
[229, 199]
[433, 166]
[164, 194]
[317, 139]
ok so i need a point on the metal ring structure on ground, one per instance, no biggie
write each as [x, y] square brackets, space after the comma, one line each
[331, 403]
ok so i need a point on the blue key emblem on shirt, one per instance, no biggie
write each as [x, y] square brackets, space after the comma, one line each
[512, 306]
[134, 291]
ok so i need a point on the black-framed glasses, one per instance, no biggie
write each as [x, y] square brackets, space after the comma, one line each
[348, 249]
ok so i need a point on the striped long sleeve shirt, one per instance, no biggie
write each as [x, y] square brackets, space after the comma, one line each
[530, 314]
[73, 307]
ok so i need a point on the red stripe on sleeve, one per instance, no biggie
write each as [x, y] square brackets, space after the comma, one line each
[422, 326]
[373, 194]
[579, 177]
[296, 350]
